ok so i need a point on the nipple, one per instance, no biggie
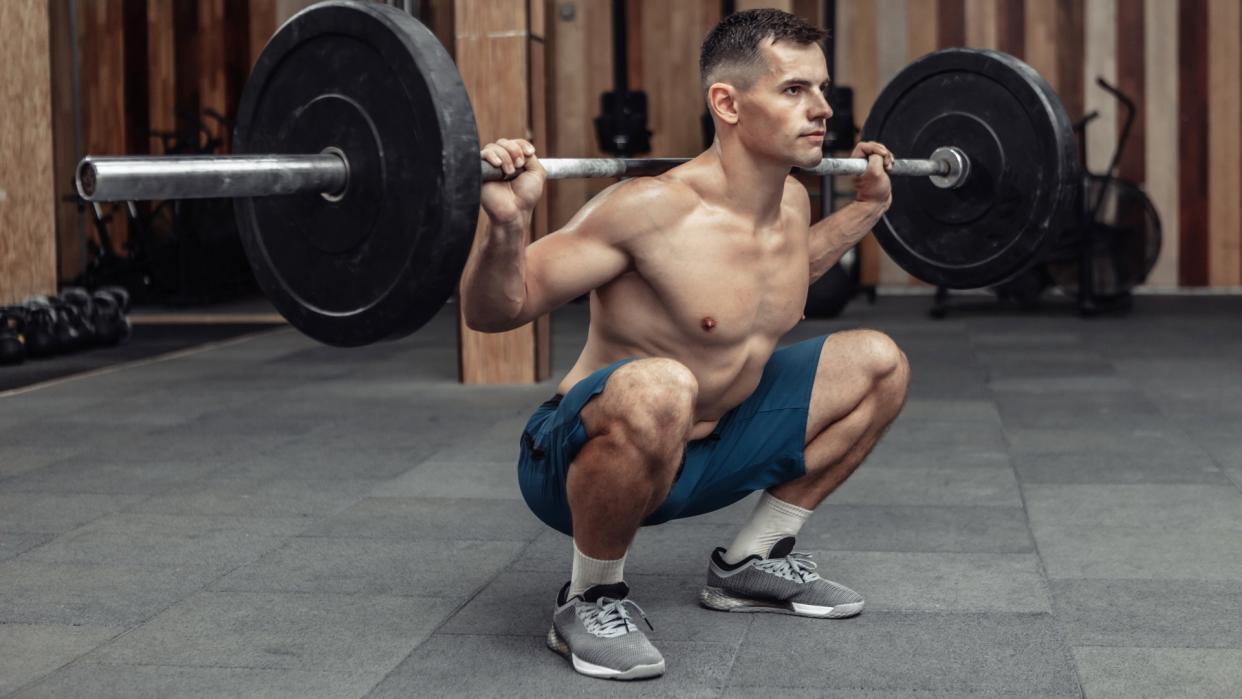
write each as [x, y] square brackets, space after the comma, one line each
[709, 323]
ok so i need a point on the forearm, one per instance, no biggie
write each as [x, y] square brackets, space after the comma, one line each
[833, 236]
[493, 286]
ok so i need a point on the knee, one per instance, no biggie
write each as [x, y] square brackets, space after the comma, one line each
[881, 357]
[657, 398]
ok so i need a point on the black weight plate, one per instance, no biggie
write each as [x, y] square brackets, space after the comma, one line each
[1024, 173]
[380, 260]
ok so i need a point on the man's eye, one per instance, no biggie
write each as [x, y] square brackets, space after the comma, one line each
[792, 90]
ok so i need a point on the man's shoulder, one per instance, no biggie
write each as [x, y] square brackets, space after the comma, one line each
[647, 203]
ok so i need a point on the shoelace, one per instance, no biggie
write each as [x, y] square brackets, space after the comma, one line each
[796, 566]
[610, 618]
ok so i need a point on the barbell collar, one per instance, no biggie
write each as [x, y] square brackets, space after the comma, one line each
[123, 178]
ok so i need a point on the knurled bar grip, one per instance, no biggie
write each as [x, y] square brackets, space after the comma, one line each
[573, 168]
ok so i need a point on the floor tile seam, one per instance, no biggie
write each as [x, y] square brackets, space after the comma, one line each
[454, 612]
[1066, 652]
[737, 650]
[139, 363]
[72, 661]
[887, 691]
[416, 539]
[1113, 646]
[195, 666]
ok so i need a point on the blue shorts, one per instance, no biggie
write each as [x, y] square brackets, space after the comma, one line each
[755, 446]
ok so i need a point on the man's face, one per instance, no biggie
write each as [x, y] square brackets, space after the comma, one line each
[783, 114]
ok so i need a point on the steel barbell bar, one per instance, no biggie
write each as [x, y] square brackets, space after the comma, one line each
[126, 178]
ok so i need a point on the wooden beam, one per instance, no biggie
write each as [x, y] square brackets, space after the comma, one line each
[492, 47]
[27, 192]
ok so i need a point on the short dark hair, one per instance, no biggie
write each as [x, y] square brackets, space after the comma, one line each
[735, 40]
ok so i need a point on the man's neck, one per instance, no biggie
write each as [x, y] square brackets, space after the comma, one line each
[749, 185]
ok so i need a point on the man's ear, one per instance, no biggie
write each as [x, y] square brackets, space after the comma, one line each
[722, 100]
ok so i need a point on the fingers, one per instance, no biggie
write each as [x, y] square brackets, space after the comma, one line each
[509, 155]
[867, 149]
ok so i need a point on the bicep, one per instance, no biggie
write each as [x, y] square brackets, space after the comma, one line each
[566, 264]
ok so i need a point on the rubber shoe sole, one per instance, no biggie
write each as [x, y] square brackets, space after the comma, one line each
[718, 599]
[638, 672]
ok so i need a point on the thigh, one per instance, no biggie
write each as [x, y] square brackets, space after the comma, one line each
[845, 373]
[757, 445]
[552, 438]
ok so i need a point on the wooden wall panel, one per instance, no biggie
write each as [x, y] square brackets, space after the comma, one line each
[1130, 81]
[1192, 155]
[1224, 121]
[921, 16]
[539, 134]
[1040, 40]
[1070, 48]
[580, 70]
[857, 36]
[1100, 61]
[1011, 27]
[162, 69]
[951, 23]
[492, 51]
[27, 191]
[674, 32]
[982, 23]
[1160, 136]
[105, 131]
[70, 237]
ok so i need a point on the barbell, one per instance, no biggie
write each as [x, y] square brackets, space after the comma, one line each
[356, 178]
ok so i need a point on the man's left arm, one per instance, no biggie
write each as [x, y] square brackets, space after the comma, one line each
[832, 236]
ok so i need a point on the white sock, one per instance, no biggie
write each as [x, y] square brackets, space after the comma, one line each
[771, 521]
[593, 571]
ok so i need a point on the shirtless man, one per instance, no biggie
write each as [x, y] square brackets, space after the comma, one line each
[680, 403]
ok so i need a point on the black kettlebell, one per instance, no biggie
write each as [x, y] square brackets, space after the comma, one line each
[110, 325]
[82, 315]
[40, 329]
[12, 342]
[119, 293]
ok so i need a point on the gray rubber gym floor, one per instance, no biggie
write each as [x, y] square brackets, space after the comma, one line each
[1057, 513]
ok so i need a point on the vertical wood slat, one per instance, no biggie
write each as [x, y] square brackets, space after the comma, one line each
[101, 42]
[27, 191]
[70, 241]
[981, 23]
[213, 73]
[492, 52]
[1040, 40]
[162, 70]
[891, 56]
[1192, 156]
[1224, 128]
[1070, 48]
[1161, 133]
[950, 23]
[674, 32]
[1011, 27]
[921, 14]
[856, 67]
[1130, 80]
[1100, 61]
[539, 135]
[262, 26]
[578, 73]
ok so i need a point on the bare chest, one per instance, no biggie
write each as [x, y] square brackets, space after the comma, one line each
[727, 286]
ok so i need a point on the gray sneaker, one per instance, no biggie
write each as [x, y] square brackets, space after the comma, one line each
[594, 631]
[784, 583]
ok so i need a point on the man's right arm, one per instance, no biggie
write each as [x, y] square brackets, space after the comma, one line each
[508, 283]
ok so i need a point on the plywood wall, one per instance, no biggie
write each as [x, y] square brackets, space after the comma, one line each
[27, 193]
[1180, 61]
